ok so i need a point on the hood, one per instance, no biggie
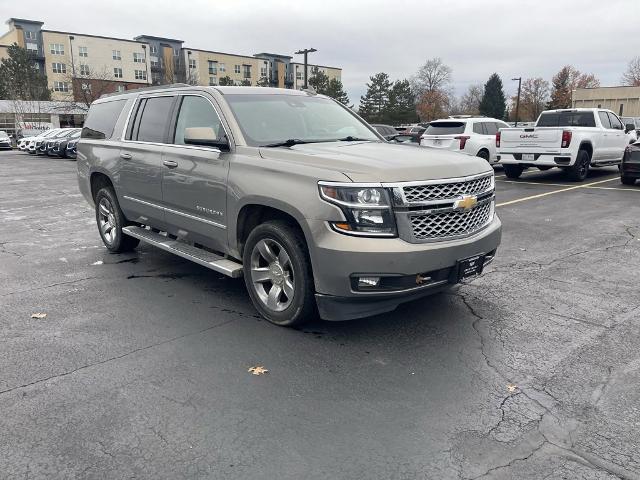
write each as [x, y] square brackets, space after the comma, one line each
[380, 162]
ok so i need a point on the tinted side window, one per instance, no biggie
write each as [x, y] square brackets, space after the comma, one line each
[477, 128]
[197, 112]
[102, 119]
[155, 119]
[490, 128]
[604, 118]
[615, 122]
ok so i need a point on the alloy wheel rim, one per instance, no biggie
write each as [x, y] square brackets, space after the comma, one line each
[272, 275]
[106, 220]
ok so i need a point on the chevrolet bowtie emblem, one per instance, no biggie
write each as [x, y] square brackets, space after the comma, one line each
[467, 202]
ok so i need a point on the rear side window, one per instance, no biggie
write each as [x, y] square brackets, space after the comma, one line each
[567, 119]
[604, 119]
[445, 128]
[490, 128]
[152, 119]
[477, 128]
[102, 119]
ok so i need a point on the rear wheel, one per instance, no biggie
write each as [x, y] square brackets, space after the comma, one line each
[111, 220]
[513, 171]
[627, 180]
[483, 154]
[579, 171]
[278, 275]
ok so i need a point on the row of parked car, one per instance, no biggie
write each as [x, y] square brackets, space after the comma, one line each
[57, 142]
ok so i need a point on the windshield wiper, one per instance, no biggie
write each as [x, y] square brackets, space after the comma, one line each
[353, 139]
[287, 143]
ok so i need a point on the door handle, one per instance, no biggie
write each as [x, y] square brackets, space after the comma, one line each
[170, 163]
[125, 156]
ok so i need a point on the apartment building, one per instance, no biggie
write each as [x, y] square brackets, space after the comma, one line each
[76, 63]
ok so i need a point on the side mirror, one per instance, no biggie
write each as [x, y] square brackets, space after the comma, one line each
[629, 127]
[206, 137]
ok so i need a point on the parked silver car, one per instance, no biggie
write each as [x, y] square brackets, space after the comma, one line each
[289, 189]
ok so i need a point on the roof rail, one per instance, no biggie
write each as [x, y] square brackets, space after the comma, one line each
[147, 89]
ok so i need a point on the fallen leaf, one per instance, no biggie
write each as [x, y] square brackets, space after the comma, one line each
[99, 262]
[258, 370]
[512, 388]
[38, 315]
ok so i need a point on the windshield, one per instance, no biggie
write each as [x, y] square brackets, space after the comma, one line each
[271, 119]
[566, 119]
[3, 134]
[445, 128]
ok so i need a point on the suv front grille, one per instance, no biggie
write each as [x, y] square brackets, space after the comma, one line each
[445, 225]
[443, 191]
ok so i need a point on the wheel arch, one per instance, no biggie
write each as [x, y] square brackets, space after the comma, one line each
[97, 180]
[586, 146]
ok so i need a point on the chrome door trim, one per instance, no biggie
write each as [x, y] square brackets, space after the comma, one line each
[176, 212]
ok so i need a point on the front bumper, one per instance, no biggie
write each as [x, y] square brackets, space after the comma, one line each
[555, 159]
[337, 258]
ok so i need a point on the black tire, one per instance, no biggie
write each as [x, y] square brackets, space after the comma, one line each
[627, 180]
[513, 171]
[108, 212]
[544, 168]
[483, 154]
[579, 170]
[292, 273]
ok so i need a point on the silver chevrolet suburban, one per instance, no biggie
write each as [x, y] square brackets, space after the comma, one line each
[290, 190]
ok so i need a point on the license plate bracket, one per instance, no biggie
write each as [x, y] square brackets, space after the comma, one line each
[470, 267]
[528, 157]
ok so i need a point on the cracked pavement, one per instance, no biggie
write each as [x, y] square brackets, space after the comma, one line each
[139, 368]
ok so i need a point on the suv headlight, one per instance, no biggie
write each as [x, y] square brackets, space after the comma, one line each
[367, 209]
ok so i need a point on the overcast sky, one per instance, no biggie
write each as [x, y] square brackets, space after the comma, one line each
[527, 38]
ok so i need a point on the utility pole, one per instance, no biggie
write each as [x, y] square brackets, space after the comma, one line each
[305, 52]
[73, 66]
[519, 79]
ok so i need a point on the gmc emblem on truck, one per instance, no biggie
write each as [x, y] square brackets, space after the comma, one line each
[528, 135]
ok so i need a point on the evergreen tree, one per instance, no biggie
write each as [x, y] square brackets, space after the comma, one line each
[319, 81]
[375, 102]
[402, 104]
[20, 79]
[336, 91]
[493, 103]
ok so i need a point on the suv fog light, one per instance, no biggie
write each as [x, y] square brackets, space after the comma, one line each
[368, 281]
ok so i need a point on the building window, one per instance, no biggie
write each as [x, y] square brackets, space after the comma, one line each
[153, 49]
[56, 49]
[236, 68]
[141, 74]
[213, 81]
[84, 69]
[246, 71]
[116, 55]
[120, 88]
[30, 35]
[60, 87]
[298, 75]
[138, 57]
[117, 73]
[263, 71]
[32, 47]
[176, 52]
[192, 63]
[155, 78]
[59, 67]
[83, 52]
[213, 67]
[221, 67]
[155, 62]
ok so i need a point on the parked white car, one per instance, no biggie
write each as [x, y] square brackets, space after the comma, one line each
[571, 139]
[474, 136]
[32, 141]
[632, 134]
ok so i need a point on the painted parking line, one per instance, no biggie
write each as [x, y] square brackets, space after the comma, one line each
[637, 190]
[543, 184]
[540, 195]
[533, 183]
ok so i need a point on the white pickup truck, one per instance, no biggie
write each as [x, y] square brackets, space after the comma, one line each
[572, 139]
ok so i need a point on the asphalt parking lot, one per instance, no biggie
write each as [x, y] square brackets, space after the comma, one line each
[139, 369]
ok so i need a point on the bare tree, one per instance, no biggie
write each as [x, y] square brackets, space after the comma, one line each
[534, 98]
[632, 76]
[89, 84]
[433, 76]
[470, 101]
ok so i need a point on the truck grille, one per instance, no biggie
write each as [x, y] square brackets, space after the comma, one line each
[441, 226]
[443, 191]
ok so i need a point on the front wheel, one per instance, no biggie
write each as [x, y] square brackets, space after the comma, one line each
[627, 180]
[513, 171]
[278, 275]
[578, 172]
[110, 221]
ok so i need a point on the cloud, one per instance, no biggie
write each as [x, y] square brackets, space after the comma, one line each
[527, 38]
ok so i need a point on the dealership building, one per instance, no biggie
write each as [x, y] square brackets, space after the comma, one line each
[623, 100]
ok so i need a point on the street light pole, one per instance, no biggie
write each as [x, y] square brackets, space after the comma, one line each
[73, 66]
[305, 52]
[519, 79]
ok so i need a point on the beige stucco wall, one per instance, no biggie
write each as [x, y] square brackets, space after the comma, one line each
[15, 35]
[200, 75]
[3, 52]
[609, 97]
[100, 59]
[298, 73]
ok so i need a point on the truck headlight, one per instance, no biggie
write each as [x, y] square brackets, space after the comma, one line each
[367, 209]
